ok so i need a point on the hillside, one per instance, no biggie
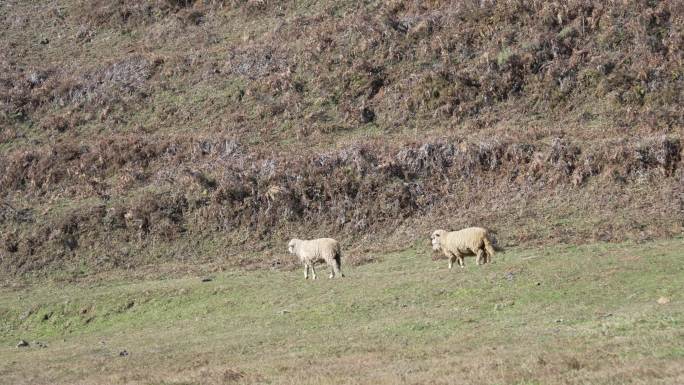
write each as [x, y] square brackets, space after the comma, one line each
[194, 132]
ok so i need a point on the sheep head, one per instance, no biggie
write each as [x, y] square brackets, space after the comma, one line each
[436, 236]
[291, 246]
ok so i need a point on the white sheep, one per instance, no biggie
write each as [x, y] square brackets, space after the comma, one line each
[457, 244]
[312, 251]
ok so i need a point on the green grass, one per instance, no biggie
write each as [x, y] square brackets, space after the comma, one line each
[566, 314]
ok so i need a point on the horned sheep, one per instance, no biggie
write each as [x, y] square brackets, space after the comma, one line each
[312, 251]
[470, 241]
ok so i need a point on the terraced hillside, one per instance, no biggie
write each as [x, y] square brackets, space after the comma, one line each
[189, 132]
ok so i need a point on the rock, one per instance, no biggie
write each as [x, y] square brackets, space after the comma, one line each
[367, 115]
[39, 344]
[663, 300]
[25, 314]
[538, 283]
[207, 279]
[37, 78]
[196, 17]
[510, 276]
[123, 353]
[283, 312]
[22, 344]
[560, 320]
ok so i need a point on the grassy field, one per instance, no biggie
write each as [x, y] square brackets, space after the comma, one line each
[146, 143]
[598, 314]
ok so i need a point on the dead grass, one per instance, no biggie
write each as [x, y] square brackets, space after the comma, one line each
[335, 65]
[333, 117]
[373, 188]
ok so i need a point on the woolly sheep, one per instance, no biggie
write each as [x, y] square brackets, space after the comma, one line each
[470, 241]
[312, 251]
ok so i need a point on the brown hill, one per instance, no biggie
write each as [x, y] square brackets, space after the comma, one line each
[134, 132]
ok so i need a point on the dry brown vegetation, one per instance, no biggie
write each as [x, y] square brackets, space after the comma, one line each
[134, 131]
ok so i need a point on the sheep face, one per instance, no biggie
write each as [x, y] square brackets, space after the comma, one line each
[291, 246]
[436, 236]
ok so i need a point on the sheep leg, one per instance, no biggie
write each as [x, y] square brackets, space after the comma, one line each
[489, 248]
[481, 257]
[313, 271]
[460, 260]
[306, 271]
[452, 258]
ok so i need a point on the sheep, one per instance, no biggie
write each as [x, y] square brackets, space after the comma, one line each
[470, 241]
[311, 251]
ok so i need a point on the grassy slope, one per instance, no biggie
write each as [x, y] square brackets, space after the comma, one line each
[564, 314]
[188, 118]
